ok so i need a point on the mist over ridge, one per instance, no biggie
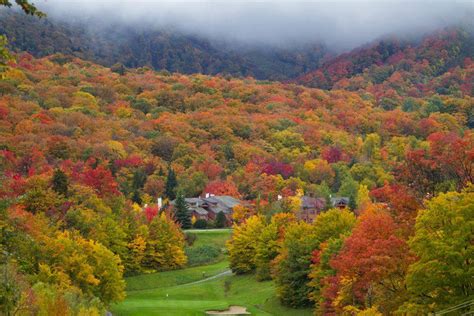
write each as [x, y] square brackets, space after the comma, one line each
[340, 25]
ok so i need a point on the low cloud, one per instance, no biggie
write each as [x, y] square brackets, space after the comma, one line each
[338, 24]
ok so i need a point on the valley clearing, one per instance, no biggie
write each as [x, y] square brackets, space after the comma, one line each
[195, 290]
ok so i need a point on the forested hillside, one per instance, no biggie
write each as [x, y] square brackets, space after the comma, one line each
[159, 49]
[86, 150]
[83, 147]
[379, 65]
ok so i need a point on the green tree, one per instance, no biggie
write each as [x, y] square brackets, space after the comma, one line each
[269, 244]
[293, 263]
[333, 223]
[371, 146]
[243, 244]
[171, 184]
[443, 276]
[221, 220]
[349, 187]
[60, 182]
[321, 272]
[181, 212]
[324, 192]
[352, 203]
[40, 197]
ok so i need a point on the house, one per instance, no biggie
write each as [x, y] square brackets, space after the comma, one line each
[208, 207]
[196, 209]
[310, 208]
[222, 203]
[340, 202]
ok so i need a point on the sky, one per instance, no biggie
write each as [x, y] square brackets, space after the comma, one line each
[340, 24]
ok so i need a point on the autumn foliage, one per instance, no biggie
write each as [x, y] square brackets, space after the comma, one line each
[86, 151]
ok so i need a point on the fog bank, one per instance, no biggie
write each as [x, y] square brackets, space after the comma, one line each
[339, 24]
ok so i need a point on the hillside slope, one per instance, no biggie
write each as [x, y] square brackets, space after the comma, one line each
[417, 61]
[83, 149]
[162, 49]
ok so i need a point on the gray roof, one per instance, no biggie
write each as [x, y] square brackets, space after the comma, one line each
[339, 200]
[225, 200]
[192, 200]
[198, 210]
[215, 204]
[311, 202]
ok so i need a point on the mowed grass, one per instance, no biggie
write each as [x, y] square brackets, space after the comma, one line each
[216, 237]
[209, 246]
[175, 277]
[175, 293]
[195, 299]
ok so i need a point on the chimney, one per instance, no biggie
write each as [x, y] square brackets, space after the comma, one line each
[279, 197]
[207, 195]
[160, 203]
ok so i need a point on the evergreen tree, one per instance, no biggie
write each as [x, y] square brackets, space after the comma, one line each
[324, 192]
[60, 182]
[181, 212]
[136, 197]
[352, 203]
[221, 220]
[171, 184]
[161, 173]
[139, 179]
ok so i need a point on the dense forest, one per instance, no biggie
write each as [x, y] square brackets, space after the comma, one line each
[377, 62]
[159, 49]
[86, 150]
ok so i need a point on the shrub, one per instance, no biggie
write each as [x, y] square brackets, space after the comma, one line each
[200, 224]
[190, 238]
[221, 220]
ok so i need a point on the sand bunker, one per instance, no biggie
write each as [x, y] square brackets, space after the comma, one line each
[233, 310]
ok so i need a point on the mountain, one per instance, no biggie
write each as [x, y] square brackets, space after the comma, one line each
[416, 60]
[158, 49]
[86, 150]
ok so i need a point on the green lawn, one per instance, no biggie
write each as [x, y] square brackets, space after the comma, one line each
[193, 299]
[174, 293]
[216, 237]
[209, 246]
[176, 277]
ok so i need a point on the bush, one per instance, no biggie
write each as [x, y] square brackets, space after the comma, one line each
[221, 220]
[202, 254]
[190, 238]
[200, 224]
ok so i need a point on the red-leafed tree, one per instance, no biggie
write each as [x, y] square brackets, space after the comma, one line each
[454, 155]
[100, 179]
[150, 212]
[275, 167]
[222, 187]
[372, 264]
[402, 203]
[420, 172]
